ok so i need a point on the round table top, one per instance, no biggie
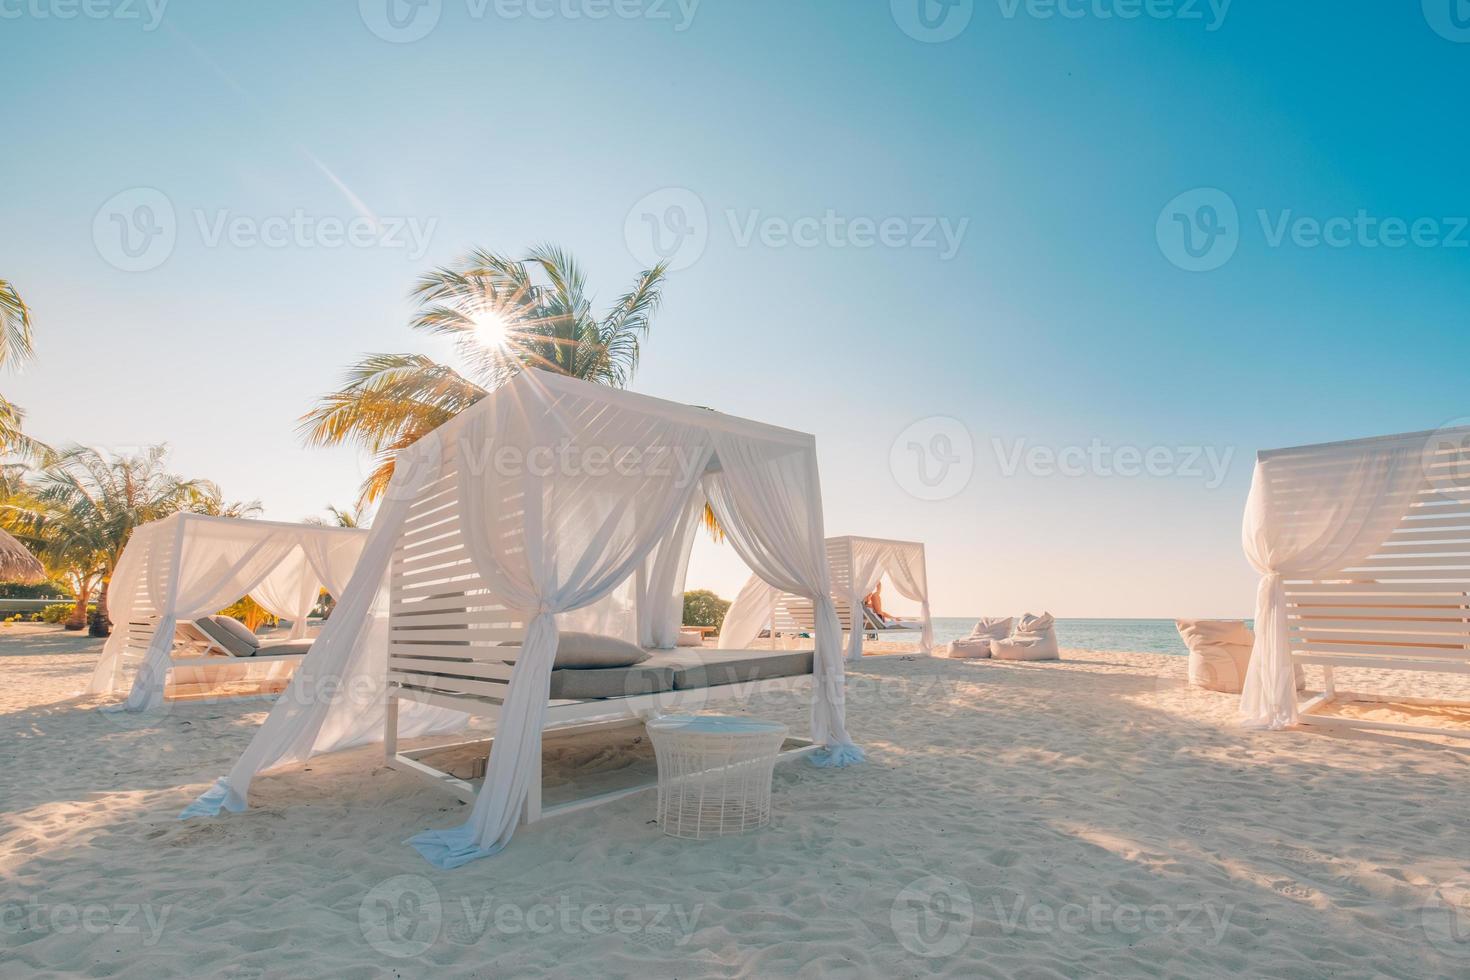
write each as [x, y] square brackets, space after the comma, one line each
[713, 725]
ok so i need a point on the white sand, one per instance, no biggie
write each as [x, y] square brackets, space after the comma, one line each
[1054, 820]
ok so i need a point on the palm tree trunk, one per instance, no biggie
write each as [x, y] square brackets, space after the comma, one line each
[99, 624]
[78, 617]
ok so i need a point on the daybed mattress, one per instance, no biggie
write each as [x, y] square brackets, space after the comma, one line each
[679, 670]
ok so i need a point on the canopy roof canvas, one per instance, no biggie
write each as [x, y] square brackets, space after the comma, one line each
[857, 565]
[191, 565]
[559, 492]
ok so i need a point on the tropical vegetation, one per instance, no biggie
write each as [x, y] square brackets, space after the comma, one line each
[77, 509]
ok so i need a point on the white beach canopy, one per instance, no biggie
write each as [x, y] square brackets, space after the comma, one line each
[563, 493]
[1341, 528]
[856, 566]
[191, 565]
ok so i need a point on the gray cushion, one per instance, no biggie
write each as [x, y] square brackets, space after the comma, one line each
[584, 651]
[238, 628]
[237, 640]
[711, 668]
[615, 682]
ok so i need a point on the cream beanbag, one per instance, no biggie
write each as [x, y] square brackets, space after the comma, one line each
[976, 646]
[1035, 639]
[1220, 653]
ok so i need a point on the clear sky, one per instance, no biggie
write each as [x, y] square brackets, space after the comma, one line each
[903, 241]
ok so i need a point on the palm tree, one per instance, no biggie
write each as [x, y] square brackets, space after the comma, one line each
[88, 500]
[210, 500]
[502, 320]
[15, 348]
[339, 517]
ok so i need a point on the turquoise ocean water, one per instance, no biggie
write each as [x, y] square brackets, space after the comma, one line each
[1130, 635]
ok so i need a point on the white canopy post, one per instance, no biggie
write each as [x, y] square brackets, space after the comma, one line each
[1313, 512]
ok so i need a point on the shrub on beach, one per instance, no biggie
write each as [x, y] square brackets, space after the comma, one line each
[59, 612]
[703, 608]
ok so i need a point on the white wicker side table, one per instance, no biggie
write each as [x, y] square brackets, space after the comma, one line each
[714, 773]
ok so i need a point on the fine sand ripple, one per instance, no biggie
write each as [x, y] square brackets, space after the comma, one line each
[1090, 817]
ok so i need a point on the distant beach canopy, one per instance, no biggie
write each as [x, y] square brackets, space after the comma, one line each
[562, 498]
[857, 565]
[191, 565]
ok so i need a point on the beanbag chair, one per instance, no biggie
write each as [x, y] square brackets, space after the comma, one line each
[1035, 638]
[976, 646]
[1220, 653]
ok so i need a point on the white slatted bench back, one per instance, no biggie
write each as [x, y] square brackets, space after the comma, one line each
[796, 615]
[143, 620]
[1408, 605]
[447, 636]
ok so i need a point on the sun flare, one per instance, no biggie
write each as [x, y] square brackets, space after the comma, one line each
[490, 329]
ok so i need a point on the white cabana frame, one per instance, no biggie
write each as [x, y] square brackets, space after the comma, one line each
[856, 565]
[191, 565]
[1364, 551]
[541, 501]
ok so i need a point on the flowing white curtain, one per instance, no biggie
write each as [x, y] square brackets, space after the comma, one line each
[337, 698]
[547, 543]
[661, 582]
[768, 499]
[748, 614]
[1311, 514]
[290, 591]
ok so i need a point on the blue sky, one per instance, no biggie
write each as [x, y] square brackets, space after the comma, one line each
[1061, 153]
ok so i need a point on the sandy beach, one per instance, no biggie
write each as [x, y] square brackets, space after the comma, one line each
[1088, 817]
